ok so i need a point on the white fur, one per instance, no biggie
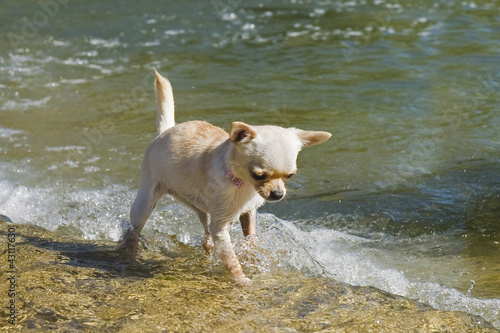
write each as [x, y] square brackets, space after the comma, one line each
[189, 161]
[164, 104]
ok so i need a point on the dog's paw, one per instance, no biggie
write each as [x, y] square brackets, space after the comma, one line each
[129, 245]
[243, 282]
[208, 243]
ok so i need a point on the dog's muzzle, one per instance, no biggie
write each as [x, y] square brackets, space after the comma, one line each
[276, 195]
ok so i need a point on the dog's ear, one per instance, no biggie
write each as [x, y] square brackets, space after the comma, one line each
[312, 138]
[241, 132]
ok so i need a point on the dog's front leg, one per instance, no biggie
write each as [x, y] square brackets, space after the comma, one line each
[223, 246]
[249, 223]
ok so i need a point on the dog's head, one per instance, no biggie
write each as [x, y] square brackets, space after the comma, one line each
[265, 156]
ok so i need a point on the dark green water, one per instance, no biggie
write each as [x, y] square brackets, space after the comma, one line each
[404, 197]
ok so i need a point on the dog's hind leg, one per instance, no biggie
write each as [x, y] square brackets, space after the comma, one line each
[144, 203]
[207, 242]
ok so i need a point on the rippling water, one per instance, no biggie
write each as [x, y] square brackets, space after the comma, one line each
[404, 197]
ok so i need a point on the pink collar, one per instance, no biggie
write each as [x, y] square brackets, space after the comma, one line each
[237, 181]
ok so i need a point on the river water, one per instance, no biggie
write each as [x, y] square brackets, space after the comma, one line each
[404, 197]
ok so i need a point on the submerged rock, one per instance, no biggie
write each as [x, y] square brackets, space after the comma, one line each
[67, 284]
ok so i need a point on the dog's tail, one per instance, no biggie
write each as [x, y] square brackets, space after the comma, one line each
[164, 104]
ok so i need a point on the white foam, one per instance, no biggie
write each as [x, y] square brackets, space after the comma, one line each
[174, 32]
[20, 204]
[90, 169]
[106, 43]
[102, 69]
[319, 11]
[294, 34]
[24, 103]
[229, 16]
[248, 26]
[98, 214]
[75, 61]
[74, 81]
[280, 240]
[441, 297]
[8, 133]
[351, 33]
[60, 43]
[155, 42]
[348, 259]
[65, 148]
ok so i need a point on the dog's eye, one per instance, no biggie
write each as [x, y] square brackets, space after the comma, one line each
[258, 176]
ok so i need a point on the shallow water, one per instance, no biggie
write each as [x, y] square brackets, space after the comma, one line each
[404, 197]
[70, 284]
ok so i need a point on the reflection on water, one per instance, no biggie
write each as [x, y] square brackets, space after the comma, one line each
[404, 197]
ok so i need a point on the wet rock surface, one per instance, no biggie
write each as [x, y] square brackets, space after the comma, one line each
[67, 284]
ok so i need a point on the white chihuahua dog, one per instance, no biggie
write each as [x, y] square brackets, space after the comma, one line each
[221, 176]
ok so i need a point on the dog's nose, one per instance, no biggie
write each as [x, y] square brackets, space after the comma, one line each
[276, 195]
